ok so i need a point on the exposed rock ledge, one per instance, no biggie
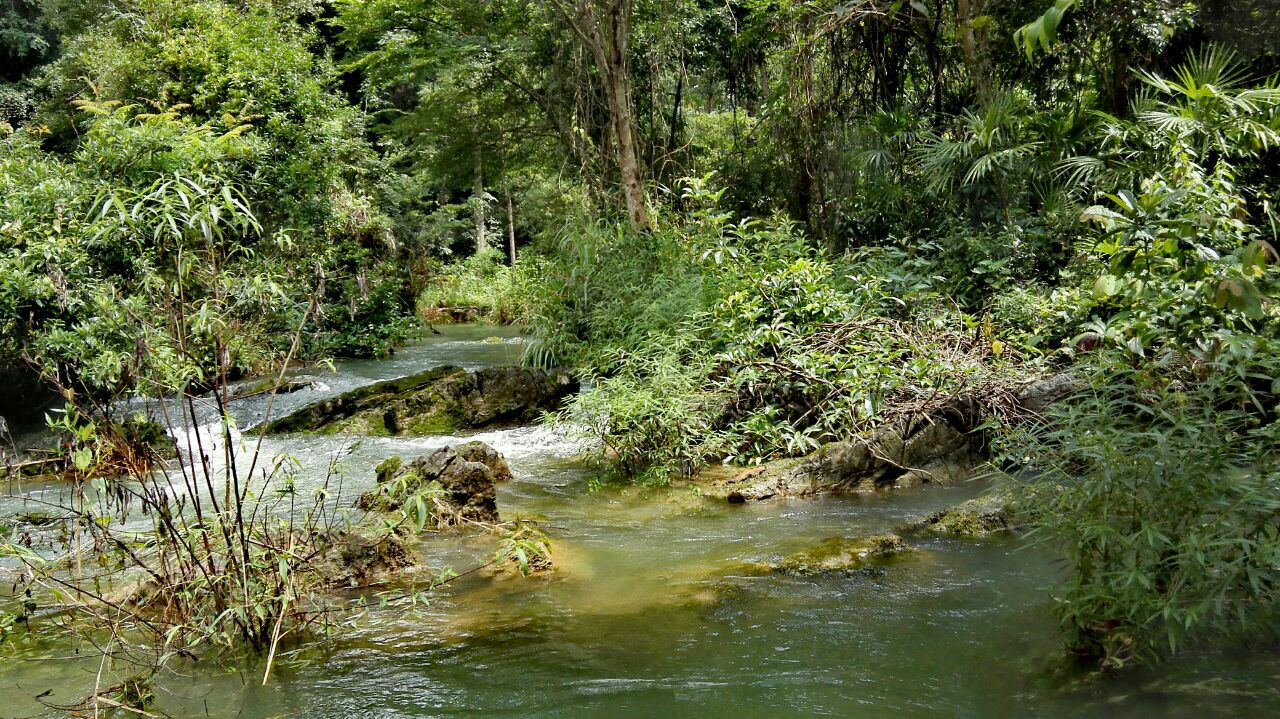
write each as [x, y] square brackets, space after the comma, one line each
[438, 401]
[943, 446]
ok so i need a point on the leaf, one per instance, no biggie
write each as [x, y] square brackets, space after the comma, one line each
[1256, 256]
[1208, 254]
[1043, 31]
[1106, 286]
[1240, 295]
[1103, 216]
[82, 459]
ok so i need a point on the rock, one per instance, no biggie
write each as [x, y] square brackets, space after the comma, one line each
[1038, 395]
[942, 446]
[38, 519]
[438, 401]
[721, 598]
[266, 385]
[452, 314]
[840, 554]
[462, 477]
[981, 516]
[361, 559]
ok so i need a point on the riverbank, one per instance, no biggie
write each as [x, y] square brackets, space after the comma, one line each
[649, 610]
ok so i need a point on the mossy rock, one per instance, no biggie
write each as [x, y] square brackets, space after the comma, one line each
[992, 513]
[842, 554]
[387, 468]
[443, 400]
[38, 519]
[719, 596]
[749, 569]
[459, 479]
[363, 558]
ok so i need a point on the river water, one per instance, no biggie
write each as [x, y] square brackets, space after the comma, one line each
[650, 615]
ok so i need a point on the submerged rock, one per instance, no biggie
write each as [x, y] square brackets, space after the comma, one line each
[980, 516]
[840, 554]
[719, 598]
[459, 483]
[438, 401]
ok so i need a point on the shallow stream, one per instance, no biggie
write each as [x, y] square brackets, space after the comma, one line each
[647, 616]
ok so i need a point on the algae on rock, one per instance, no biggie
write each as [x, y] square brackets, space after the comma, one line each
[438, 401]
[843, 554]
[977, 517]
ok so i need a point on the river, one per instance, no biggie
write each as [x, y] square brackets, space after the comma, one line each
[648, 617]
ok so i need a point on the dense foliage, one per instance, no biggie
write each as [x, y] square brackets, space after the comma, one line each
[892, 203]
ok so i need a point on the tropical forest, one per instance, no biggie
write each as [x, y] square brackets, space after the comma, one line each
[729, 359]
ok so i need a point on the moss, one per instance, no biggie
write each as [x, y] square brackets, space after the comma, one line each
[750, 569]
[989, 514]
[370, 424]
[724, 594]
[37, 519]
[259, 386]
[362, 557]
[376, 501]
[840, 554]
[434, 422]
[387, 467]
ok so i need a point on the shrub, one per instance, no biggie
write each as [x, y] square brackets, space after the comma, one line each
[758, 348]
[483, 282]
[1166, 509]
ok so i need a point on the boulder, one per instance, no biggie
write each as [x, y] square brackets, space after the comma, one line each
[266, 385]
[991, 513]
[1036, 396]
[841, 554]
[439, 401]
[361, 559]
[459, 481]
[940, 446]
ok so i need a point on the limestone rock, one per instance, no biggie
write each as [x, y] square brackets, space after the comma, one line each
[1038, 395]
[460, 480]
[977, 517]
[438, 401]
[362, 559]
[941, 446]
[840, 554]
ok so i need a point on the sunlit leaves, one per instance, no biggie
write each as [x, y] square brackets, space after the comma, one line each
[1043, 31]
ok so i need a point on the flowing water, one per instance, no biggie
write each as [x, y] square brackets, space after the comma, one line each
[650, 614]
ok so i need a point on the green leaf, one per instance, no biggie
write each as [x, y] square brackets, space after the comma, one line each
[1106, 286]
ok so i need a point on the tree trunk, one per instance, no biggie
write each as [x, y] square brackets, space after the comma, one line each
[628, 162]
[608, 45]
[477, 210]
[511, 230]
[967, 11]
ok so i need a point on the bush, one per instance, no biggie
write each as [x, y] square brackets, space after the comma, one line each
[249, 72]
[745, 344]
[1166, 512]
[483, 282]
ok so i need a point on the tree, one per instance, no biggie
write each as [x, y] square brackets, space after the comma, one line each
[604, 30]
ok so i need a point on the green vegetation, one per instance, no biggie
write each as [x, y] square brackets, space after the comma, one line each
[755, 227]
